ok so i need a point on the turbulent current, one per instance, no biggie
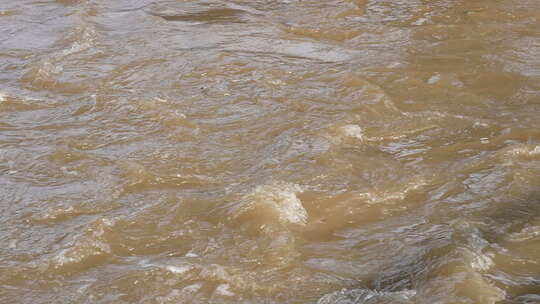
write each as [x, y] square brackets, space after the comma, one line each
[270, 152]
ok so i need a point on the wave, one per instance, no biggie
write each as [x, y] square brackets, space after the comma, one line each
[276, 201]
[368, 296]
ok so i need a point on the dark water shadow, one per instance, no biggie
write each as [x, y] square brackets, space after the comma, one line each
[214, 15]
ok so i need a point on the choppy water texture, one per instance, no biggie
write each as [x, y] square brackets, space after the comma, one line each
[330, 152]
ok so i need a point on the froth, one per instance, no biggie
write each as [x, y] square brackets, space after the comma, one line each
[474, 247]
[279, 199]
[92, 245]
[352, 131]
[364, 296]
[180, 295]
[528, 233]
[524, 151]
[282, 198]
[179, 269]
[224, 290]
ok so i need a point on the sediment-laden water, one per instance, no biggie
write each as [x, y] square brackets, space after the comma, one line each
[330, 152]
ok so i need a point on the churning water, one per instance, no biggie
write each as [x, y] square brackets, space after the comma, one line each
[330, 152]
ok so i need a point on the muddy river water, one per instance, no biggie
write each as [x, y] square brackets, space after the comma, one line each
[310, 152]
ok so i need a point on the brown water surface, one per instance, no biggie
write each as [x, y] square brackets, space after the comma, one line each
[331, 152]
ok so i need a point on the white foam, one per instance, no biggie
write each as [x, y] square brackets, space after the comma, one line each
[478, 124]
[360, 296]
[85, 36]
[282, 198]
[180, 295]
[352, 131]
[478, 260]
[524, 150]
[398, 195]
[192, 288]
[434, 79]
[224, 290]
[178, 269]
[81, 251]
[474, 249]
[91, 244]
[420, 21]
[76, 47]
[527, 233]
